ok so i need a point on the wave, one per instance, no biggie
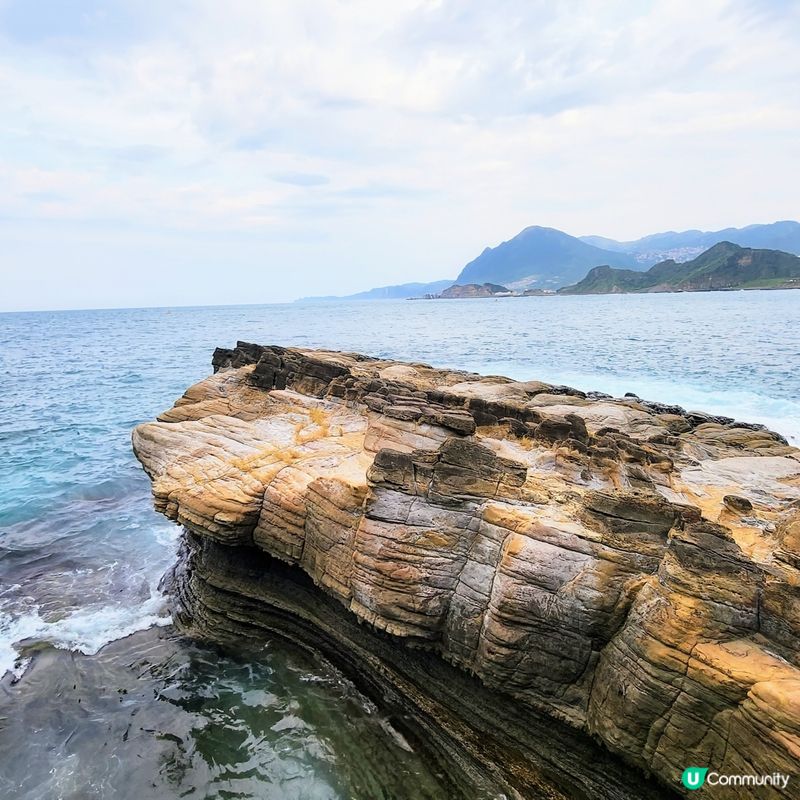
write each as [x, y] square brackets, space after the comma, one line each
[92, 626]
[86, 630]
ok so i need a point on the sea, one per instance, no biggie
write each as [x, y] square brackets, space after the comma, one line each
[100, 697]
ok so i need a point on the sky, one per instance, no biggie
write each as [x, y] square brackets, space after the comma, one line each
[199, 152]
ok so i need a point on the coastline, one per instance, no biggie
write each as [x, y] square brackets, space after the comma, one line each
[558, 293]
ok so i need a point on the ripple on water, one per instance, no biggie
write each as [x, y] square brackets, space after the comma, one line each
[155, 715]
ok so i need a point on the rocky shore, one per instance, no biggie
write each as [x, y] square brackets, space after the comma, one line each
[559, 594]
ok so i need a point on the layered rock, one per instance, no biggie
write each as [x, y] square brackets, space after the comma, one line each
[626, 568]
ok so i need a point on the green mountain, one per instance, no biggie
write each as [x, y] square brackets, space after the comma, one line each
[723, 266]
[684, 245]
[539, 257]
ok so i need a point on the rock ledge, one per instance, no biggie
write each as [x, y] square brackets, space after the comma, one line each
[626, 568]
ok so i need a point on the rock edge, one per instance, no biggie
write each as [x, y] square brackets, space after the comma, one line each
[628, 568]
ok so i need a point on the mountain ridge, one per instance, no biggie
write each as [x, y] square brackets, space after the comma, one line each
[724, 266]
[539, 257]
[400, 291]
[655, 247]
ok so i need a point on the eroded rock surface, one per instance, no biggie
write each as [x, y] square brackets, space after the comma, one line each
[628, 568]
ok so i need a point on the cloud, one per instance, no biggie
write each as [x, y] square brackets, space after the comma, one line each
[301, 179]
[382, 190]
[59, 22]
[375, 143]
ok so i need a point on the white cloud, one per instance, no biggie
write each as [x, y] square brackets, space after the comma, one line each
[363, 143]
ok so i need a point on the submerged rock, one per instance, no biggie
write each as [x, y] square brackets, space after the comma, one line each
[515, 552]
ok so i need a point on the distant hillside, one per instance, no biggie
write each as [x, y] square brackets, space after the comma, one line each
[546, 259]
[539, 258]
[685, 245]
[400, 292]
[724, 266]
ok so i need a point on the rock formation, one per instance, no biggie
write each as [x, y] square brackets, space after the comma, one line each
[492, 554]
[466, 290]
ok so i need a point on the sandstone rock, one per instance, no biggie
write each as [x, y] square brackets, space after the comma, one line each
[739, 505]
[627, 568]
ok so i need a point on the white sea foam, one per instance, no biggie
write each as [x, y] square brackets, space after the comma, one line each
[91, 627]
[86, 630]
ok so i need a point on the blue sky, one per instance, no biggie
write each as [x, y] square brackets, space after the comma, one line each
[197, 152]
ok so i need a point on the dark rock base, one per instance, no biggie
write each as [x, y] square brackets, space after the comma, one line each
[483, 743]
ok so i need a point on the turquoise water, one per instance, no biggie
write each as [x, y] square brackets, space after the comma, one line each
[81, 551]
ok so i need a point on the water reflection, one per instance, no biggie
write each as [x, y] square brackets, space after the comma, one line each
[156, 715]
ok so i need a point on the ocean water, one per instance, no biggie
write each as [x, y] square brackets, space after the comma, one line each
[87, 712]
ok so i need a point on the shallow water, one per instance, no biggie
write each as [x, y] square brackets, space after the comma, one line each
[81, 551]
[158, 716]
